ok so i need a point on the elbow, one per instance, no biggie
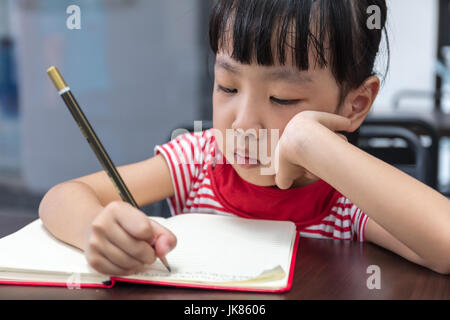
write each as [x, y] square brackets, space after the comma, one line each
[446, 256]
[47, 203]
[442, 265]
[445, 267]
[442, 269]
[42, 210]
[447, 270]
[52, 202]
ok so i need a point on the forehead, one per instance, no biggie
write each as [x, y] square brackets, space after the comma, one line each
[286, 73]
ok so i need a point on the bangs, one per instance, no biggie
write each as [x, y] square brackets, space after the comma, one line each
[332, 33]
[266, 32]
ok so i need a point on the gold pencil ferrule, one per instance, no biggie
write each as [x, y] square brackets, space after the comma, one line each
[56, 77]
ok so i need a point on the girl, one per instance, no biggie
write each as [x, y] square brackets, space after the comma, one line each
[300, 70]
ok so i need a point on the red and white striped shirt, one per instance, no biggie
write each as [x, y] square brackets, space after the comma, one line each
[204, 185]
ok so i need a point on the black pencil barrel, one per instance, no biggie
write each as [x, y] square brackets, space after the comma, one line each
[97, 147]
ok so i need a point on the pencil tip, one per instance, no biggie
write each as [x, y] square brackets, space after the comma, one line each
[165, 263]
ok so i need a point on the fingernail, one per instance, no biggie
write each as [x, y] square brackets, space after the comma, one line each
[167, 249]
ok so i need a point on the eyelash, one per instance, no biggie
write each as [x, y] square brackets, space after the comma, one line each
[277, 101]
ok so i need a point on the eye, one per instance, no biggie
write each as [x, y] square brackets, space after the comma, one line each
[284, 102]
[226, 90]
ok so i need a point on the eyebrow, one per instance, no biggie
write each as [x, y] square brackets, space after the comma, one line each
[284, 74]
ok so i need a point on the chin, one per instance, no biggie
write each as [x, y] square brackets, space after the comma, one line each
[253, 176]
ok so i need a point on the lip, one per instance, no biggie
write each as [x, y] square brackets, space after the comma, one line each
[245, 162]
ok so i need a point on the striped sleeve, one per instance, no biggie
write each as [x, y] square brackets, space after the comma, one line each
[185, 156]
[345, 222]
[358, 219]
[359, 223]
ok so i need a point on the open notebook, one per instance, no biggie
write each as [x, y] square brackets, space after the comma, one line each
[212, 252]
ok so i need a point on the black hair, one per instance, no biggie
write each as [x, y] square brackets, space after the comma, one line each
[334, 31]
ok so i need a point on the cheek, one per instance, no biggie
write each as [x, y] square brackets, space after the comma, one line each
[222, 120]
[223, 114]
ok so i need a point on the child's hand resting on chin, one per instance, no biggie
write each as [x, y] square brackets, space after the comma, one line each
[290, 155]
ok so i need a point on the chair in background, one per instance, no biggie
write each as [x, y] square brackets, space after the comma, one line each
[399, 147]
[422, 128]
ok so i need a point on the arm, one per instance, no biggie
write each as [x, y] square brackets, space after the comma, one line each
[69, 208]
[378, 235]
[409, 217]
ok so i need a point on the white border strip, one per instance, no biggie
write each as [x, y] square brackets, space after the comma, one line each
[64, 90]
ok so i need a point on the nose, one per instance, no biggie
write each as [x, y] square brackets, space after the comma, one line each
[248, 119]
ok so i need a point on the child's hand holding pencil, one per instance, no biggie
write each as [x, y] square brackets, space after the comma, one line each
[122, 240]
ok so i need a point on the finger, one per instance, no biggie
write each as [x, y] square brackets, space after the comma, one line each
[120, 258]
[137, 249]
[164, 240]
[335, 122]
[102, 265]
[133, 221]
[285, 176]
[139, 226]
[342, 136]
[285, 172]
[332, 121]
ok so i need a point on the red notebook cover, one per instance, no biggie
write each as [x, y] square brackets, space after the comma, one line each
[113, 280]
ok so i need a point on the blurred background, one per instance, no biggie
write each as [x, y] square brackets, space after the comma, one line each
[140, 68]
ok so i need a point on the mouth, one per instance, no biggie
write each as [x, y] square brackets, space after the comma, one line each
[245, 161]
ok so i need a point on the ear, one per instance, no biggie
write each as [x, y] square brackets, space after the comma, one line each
[359, 101]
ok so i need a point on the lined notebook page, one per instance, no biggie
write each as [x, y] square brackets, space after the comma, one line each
[33, 249]
[219, 249]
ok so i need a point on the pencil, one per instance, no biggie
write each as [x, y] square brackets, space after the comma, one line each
[92, 139]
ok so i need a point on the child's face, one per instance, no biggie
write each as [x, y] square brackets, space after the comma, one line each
[248, 98]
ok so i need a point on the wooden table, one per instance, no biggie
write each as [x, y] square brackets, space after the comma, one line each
[325, 269]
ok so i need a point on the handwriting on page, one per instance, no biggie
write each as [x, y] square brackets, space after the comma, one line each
[275, 273]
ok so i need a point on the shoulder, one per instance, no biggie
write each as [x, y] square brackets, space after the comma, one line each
[190, 147]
